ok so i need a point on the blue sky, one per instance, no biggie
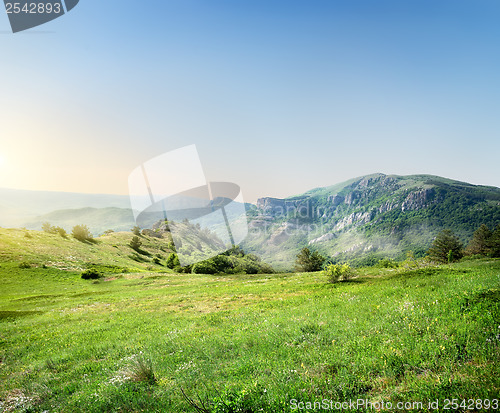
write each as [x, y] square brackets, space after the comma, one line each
[279, 96]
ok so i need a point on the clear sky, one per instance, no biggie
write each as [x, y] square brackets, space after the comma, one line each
[279, 96]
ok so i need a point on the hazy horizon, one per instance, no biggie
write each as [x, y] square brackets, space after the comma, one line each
[126, 195]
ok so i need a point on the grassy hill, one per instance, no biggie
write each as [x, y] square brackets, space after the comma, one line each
[111, 251]
[135, 342]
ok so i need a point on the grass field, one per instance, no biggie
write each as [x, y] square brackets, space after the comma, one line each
[246, 343]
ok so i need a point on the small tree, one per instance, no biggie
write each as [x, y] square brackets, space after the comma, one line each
[82, 233]
[480, 242]
[173, 261]
[46, 227]
[308, 261]
[494, 243]
[446, 247]
[135, 243]
[136, 230]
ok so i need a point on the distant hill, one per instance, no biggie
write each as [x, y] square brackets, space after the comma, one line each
[20, 206]
[369, 217]
[98, 220]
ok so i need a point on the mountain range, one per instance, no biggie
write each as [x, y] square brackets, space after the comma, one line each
[360, 220]
[369, 217]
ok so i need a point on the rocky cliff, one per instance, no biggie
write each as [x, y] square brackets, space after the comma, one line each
[384, 214]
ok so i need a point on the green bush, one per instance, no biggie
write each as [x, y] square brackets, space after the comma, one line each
[173, 261]
[92, 274]
[82, 233]
[24, 265]
[61, 231]
[387, 263]
[338, 272]
[204, 267]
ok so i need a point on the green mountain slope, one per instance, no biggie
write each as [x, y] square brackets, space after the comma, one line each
[370, 217]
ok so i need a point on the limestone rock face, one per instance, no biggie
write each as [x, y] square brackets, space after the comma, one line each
[335, 200]
[323, 238]
[352, 197]
[275, 207]
[354, 218]
[418, 199]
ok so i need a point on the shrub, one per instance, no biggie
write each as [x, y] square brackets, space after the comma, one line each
[338, 272]
[82, 233]
[92, 274]
[61, 231]
[387, 263]
[24, 265]
[204, 267]
[46, 227]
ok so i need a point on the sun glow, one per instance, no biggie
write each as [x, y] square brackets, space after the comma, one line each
[2, 160]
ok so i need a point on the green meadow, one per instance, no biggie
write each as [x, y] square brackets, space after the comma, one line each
[152, 341]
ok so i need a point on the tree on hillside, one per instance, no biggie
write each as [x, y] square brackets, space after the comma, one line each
[136, 230]
[446, 247]
[46, 227]
[82, 233]
[173, 261]
[480, 242]
[308, 261]
[495, 243]
[135, 243]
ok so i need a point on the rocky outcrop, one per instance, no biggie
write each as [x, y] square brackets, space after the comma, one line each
[323, 238]
[387, 206]
[335, 200]
[418, 199]
[276, 207]
[354, 218]
[284, 231]
[352, 197]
